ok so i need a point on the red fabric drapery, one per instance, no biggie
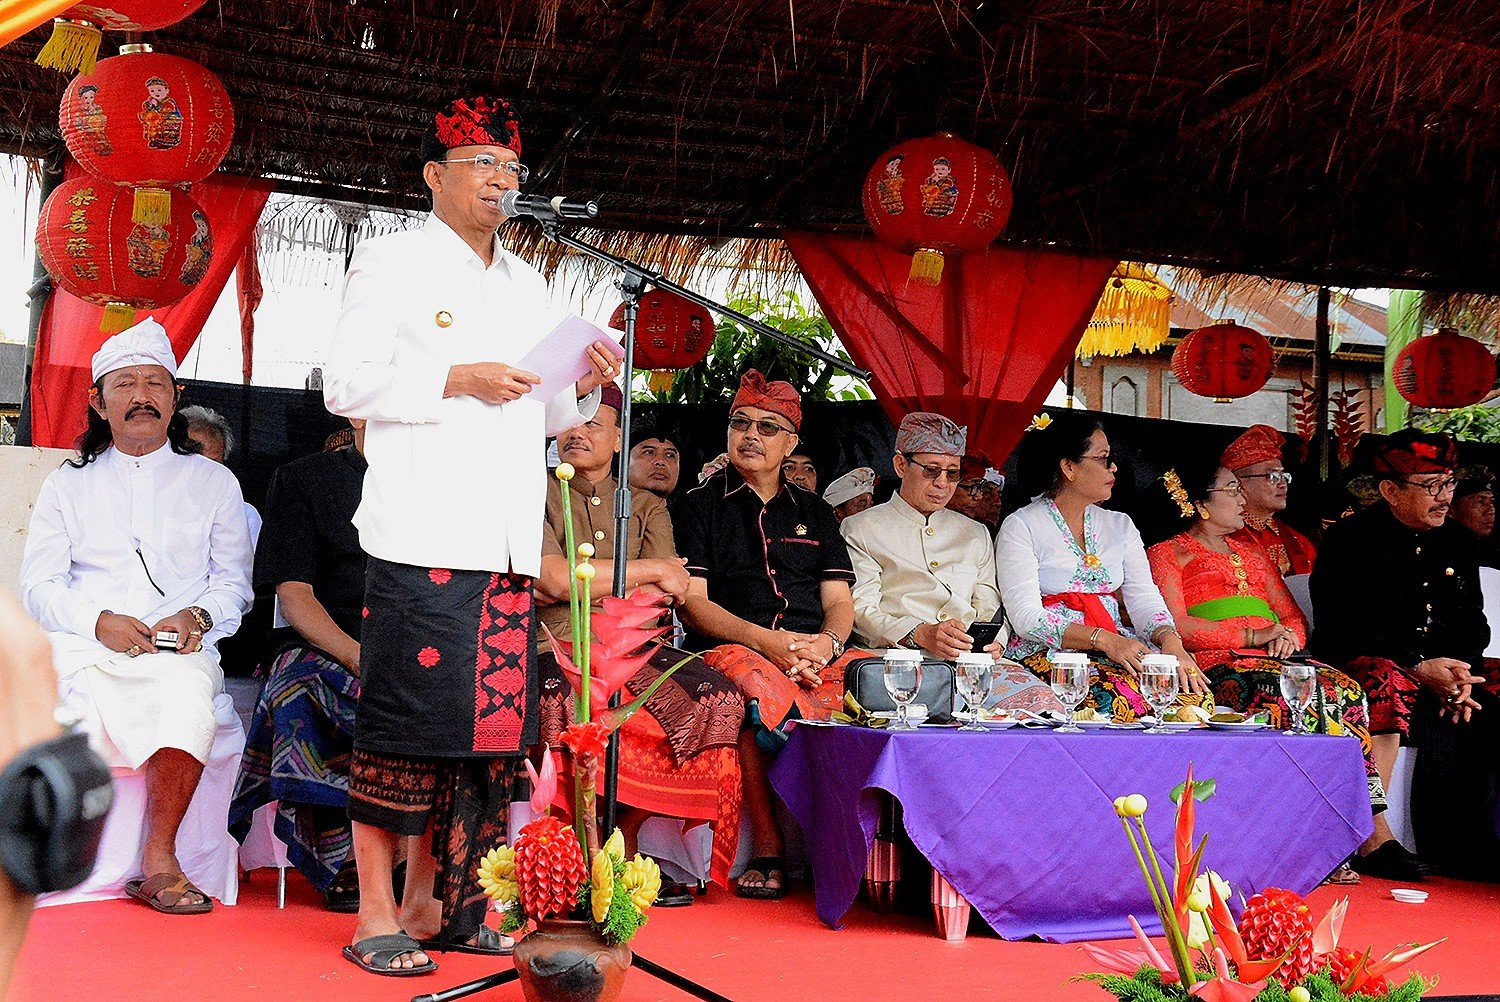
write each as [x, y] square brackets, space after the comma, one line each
[247, 281]
[983, 348]
[69, 333]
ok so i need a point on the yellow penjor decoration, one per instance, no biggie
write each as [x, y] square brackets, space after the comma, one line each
[1133, 314]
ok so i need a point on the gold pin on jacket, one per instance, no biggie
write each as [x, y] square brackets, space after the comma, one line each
[801, 530]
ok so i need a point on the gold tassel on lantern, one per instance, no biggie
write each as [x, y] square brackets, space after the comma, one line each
[117, 317]
[661, 380]
[74, 46]
[1134, 313]
[153, 207]
[926, 267]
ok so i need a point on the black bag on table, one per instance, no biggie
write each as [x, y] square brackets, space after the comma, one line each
[865, 680]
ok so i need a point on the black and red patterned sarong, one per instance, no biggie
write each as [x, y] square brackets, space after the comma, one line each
[446, 663]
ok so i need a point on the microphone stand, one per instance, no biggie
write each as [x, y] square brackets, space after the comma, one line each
[633, 281]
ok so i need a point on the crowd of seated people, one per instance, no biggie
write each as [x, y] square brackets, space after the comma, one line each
[780, 588]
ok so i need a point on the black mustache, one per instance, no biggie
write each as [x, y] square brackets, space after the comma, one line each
[142, 407]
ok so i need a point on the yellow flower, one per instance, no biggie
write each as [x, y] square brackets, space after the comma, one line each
[1135, 806]
[642, 881]
[496, 870]
[602, 889]
[584, 572]
[1197, 932]
[1040, 422]
[585, 550]
[564, 471]
[615, 846]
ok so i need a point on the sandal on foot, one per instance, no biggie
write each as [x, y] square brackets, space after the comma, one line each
[382, 950]
[766, 866]
[173, 888]
[488, 943]
[343, 896]
[1344, 876]
[674, 894]
[1391, 861]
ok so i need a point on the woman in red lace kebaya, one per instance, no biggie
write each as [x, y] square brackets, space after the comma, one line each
[1237, 618]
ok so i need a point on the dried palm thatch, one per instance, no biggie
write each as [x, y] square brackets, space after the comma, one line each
[1342, 142]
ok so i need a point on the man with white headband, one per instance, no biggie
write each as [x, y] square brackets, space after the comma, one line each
[138, 562]
[852, 493]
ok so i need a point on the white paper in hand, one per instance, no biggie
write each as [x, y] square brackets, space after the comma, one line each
[560, 358]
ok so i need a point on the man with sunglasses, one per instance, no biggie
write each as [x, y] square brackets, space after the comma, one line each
[1396, 604]
[1255, 460]
[434, 323]
[922, 573]
[980, 491]
[768, 598]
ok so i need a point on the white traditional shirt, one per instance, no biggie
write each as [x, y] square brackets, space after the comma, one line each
[143, 536]
[910, 569]
[453, 482]
[1037, 556]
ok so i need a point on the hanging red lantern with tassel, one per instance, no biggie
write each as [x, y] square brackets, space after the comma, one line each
[670, 333]
[93, 249]
[1225, 361]
[936, 196]
[148, 120]
[1444, 370]
[74, 45]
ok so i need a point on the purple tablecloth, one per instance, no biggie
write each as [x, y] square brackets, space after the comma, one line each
[1022, 822]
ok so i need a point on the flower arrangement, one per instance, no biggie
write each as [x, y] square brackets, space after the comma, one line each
[1275, 953]
[560, 871]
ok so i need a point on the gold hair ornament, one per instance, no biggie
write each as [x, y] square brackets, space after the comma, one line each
[1176, 492]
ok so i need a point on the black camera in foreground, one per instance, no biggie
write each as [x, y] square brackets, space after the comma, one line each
[54, 799]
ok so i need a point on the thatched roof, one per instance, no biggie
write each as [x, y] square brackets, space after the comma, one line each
[1351, 142]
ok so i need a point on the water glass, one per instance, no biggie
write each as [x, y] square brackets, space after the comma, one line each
[1160, 685]
[973, 673]
[903, 680]
[1070, 683]
[1298, 687]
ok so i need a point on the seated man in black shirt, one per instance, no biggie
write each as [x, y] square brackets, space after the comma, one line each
[1396, 604]
[300, 739]
[768, 598]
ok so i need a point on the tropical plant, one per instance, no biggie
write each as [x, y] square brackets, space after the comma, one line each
[555, 870]
[737, 348]
[1477, 423]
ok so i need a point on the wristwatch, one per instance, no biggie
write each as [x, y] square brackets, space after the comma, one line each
[201, 617]
[838, 645]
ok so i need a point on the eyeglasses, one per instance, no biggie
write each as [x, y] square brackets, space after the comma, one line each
[1104, 459]
[979, 487]
[932, 471]
[1275, 476]
[1233, 492]
[766, 427]
[1434, 488]
[487, 165]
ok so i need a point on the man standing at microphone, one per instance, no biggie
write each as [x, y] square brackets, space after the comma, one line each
[434, 321]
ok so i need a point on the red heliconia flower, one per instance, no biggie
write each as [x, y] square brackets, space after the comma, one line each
[623, 631]
[549, 867]
[1277, 920]
[1344, 962]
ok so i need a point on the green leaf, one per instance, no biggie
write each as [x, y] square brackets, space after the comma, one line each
[1202, 790]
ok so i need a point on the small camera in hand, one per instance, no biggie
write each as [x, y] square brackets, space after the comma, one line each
[166, 640]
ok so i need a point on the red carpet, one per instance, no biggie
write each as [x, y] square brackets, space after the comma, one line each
[119, 951]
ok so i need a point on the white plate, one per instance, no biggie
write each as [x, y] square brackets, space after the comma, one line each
[1171, 725]
[1408, 895]
[999, 724]
[1237, 725]
[1134, 725]
[1091, 725]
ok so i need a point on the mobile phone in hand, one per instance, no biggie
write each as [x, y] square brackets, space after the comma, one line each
[983, 634]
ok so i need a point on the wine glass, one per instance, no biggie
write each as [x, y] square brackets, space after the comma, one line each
[974, 673]
[903, 679]
[1298, 683]
[1159, 687]
[1070, 683]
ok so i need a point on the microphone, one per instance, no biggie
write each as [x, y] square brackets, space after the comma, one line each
[515, 204]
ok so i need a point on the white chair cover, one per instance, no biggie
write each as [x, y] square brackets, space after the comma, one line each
[1297, 585]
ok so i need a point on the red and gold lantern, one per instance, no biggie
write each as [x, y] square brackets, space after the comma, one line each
[1224, 360]
[74, 44]
[935, 196]
[148, 120]
[1444, 370]
[94, 250]
[670, 333]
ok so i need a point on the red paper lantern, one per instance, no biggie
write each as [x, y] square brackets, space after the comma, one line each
[1444, 370]
[670, 333]
[74, 44]
[148, 120]
[93, 249]
[1224, 361]
[935, 196]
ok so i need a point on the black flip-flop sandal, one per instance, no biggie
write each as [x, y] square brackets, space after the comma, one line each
[488, 943]
[764, 865]
[674, 894]
[384, 949]
[343, 896]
